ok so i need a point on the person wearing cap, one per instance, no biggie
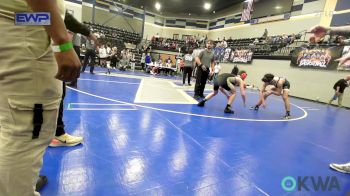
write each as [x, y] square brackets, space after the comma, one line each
[280, 87]
[339, 88]
[227, 83]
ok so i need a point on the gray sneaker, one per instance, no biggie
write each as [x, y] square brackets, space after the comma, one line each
[344, 168]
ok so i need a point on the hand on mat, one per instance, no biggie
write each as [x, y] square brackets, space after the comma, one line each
[204, 68]
[68, 66]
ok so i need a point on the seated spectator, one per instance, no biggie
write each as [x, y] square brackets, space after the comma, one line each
[256, 41]
[132, 62]
[290, 38]
[339, 40]
[102, 53]
[156, 66]
[224, 43]
[143, 61]
[168, 62]
[265, 34]
[284, 38]
[114, 57]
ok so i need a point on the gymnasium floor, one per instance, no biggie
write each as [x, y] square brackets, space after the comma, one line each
[145, 136]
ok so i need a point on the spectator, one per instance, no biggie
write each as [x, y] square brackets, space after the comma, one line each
[256, 41]
[339, 88]
[143, 60]
[114, 57]
[319, 33]
[265, 34]
[90, 54]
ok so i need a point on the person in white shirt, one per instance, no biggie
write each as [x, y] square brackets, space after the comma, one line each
[102, 52]
[217, 69]
[143, 60]
[108, 59]
[189, 63]
[132, 61]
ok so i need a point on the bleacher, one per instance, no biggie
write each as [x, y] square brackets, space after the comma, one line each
[172, 44]
[264, 47]
[115, 35]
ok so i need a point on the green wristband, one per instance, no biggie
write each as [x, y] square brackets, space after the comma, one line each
[63, 47]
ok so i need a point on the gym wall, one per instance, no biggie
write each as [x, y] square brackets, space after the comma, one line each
[305, 83]
[75, 8]
[168, 32]
[293, 25]
[167, 27]
[305, 14]
[102, 15]
[342, 13]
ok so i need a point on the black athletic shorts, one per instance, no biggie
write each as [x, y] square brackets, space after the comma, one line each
[286, 85]
[221, 81]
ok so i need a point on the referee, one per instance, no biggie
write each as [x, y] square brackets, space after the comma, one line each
[205, 62]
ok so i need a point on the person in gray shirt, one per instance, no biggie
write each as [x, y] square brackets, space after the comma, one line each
[189, 61]
[205, 62]
[90, 53]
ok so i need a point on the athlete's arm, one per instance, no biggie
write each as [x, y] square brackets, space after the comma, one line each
[261, 94]
[212, 65]
[243, 94]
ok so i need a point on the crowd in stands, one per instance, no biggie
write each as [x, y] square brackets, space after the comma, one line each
[261, 46]
[112, 53]
[190, 41]
[264, 45]
[108, 56]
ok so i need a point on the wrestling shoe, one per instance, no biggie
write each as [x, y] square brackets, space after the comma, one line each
[256, 108]
[343, 168]
[286, 117]
[201, 103]
[228, 111]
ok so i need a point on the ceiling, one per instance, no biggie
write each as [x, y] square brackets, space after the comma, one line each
[182, 7]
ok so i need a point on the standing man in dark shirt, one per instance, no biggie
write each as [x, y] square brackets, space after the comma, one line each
[90, 53]
[61, 137]
[339, 88]
[205, 62]
[75, 27]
